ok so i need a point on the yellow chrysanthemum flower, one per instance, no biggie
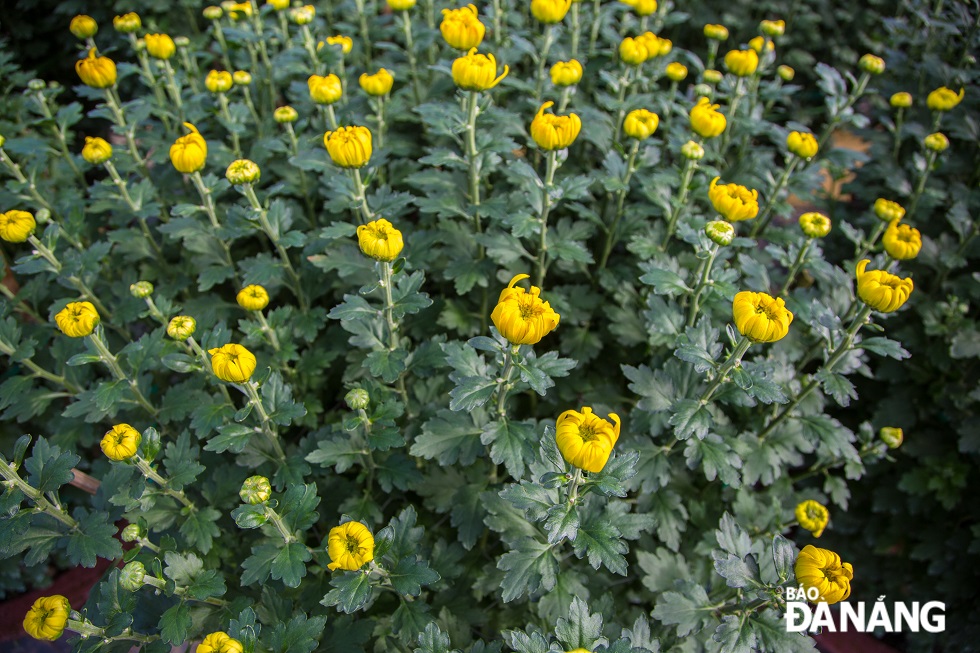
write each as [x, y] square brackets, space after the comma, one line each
[219, 642]
[880, 290]
[812, 516]
[585, 440]
[815, 225]
[887, 210]
[121, 442]
[566, 73]
[824, 570]
[83, 27]
[77, 319]
[378, 84]
[802, 144]
[902, 242]
[742, 63]
[218, 81]
[160, 46]
[95, 71]
[189, 153]
[350, 546]
[253, 298]
[47, 618]
[380, 240]
[96, 150]
[550, 12]
[761, 317]
[461, 28]
[554, 132]
[640, 124]
[521, 316]
[733, 201]
[232, 363]
[477, 72]
[706, 120]
[349, 147]
[944, 99]
[16, 226]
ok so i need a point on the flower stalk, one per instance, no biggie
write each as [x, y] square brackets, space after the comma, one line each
[549, 182]
[504, 383]
[549, 40]
[734, 359]
[59, 132]
[690, 165]
[268, 426]
[473, 110]
[765, 216]
[410, 52]
[263, 218]
[236, 146]
[110, 361]
[704, 281]
[838, 115]
[78, 284]
[133, 206]
[923, 178]
[795, 268]
[360, 196]
[152, 475]
[611, 233]
[43, 504]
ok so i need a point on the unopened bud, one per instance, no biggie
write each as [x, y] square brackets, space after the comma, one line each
[141, 289]
[693, 151]
[358, 399]
[720, 232]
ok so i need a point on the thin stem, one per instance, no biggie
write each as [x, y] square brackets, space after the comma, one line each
[274, 517]
[389, 306]
[870, 245]
[735, 358]
[732, 111]
[795, 268]
[575, 29]
[611, 234]
[115, 105]
[153, 475]
[24, 306]
[686, 175]
[303, 187]
[839, 115]
[268, 426]
[173, 89]
[921, 186]
[503, 383]
[365, 34]
[59, 131]
[309, 43]
[549, 182]
[13, 479]
[765, 217]
[624, 85]
[471, 157]
[549, 39]
[236, 146]
[110, 361]
[899, 121]
[40, 371]
[273, 236]
[573, 488]
[410, 51]
[703, 282]
[360, 196]
[133, 206]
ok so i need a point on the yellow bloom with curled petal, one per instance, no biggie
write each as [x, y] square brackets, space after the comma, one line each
[756, 44]
[944, 99]
[181, 327]
[16, 226]
[641, 7]
[127, 23]
[189, 153]
[218, 81]
[121, 442]
[521, 316]
[349, 147]
[676, 72]
[566, 73]
[742, 63]
[378, 84]
[706, 120]
[350, 546]
[733, 201]
[253, 297]
[881, 290]
[761, 317]
[901, 241]
[802, 144]
[401, 5]
[773, 27]
[887, 210]
[815, 225]
[96, 150]
[95, 71]
[640, 124]
[77, 319]
[47, 618]
[83, 26]
[346, 43]
[380, 240]
[461, 28]
[232, 363]
[812, 516]
[325, 89]
[550, 12]
[716, 32]
[585, 440]
[554, 132]
[219, 642]
[477, 72]
[823, 569]
[632, 51]
[901, 100]
[160, 46]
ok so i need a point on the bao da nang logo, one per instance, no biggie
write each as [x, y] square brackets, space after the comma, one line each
[859, 617]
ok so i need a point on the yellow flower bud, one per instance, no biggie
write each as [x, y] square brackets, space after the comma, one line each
[936, 142]
[350, 546]
[887, 210]
[802, 144]
[812, 516]
[189, 153]
[253, 298]
[181, 327]
[706, 120]
[121, 442]
[243, 171]
[566, 73]
[713, 76]
[219, 642]
[141, 289]
[380, 240]
[278, 5]
[241, 78]
[720, 232]
[83, 27]
[47, 618]
[632, 52]
[521, 316]
[550, 12]
[815, 225]
[160, 46]
[213, 13]
[378, 84]
[302, 15]
[285, 114]
[218, 81]
[326, 89]
[716, 32]
[477, 72]
[642, 7]
[3, 140]
[891, 436]
[944, 99]
[756, 44]
[97, 72]
[901, 241]
[773, 27]
[880, 290]
[733, 201]
[676, 72]
[655, 46]
[461, 28]
[585, 440]
[77, 319]
[742, 63]
[761, 317]
[16, 226]
[346, 43]
[237, 10]
[255, 490]
[127, 23]
[553, 132]
[872, 64]
[401, 5]
[96, 150]
[640, 124]
[232, 363]
[786, 73]
[349, 147]
[902, 100]
[693, 151]
[823, 570]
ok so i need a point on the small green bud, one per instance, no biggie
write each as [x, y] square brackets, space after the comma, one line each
[720, 232]
[131, 533]
[213, 13]
[36, 84]
[693, 151]
[141, 289]
[132, 575]
[891, 436]
[786, 73]
[255, 490]
[358, 399]
[181, 41]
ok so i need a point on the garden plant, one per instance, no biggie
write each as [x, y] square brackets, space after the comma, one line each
[515, 326]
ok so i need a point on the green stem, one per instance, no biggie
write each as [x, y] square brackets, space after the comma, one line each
[549, 181]
[365, 34]
[24, 306]
[899, 121]
[360, 197]
[712, 54]
[59, 131]
[503, 384]
[40, 371]
[870, 245]
[196, 348]
[268, 426]
[921, 186]
[303, 186]
[596, 22]
[549, 39]
[795, 268]
[222, 44]
[835, 358]
[410, 51]
[703, 283]
[471, 158]
[573, 488]
[611, 234]
[765, 217]
[276, 520]
[310, 45]
[735, 358]
[151, 80]
[160, 584]
[115, 106]
[133, 206]
[624, 85]
[153, 475]
[283, 255]
[172, 89]
[236, 146]
[389, 306]
[839, 115]
[110, 361]
[686, 175]
[726, 138]
[13, 479]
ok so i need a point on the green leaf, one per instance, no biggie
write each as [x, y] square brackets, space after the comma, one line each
[715, 458]
[688, 610]
[290, 564]
[433, 640]
[181, 461]
[49, 467]
[770, 630]
[735, 635]
[471, 392]
[611, 481]
[410, 575]
[248, 516]
[731, 537]
[258, 566]
[690, 417]
[83, 359]
[200, 528]
[580, 629]
[298, 507]
[300, 635]
[534, 499]
[837, 386]
[783, 556]
[354, 307]
[601, 541]
[174, 624]
[530, 567]
[389, 365]
[664, 282]
[510, 444]
[655, 387]
[277, 397]
[231, 437]
[562, 523]
[737, 572]
[340, 453]
[449, 437]
[351, 592]
[245, 628]
[94, 538]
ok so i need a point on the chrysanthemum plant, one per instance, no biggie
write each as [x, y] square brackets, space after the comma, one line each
[470, 356]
